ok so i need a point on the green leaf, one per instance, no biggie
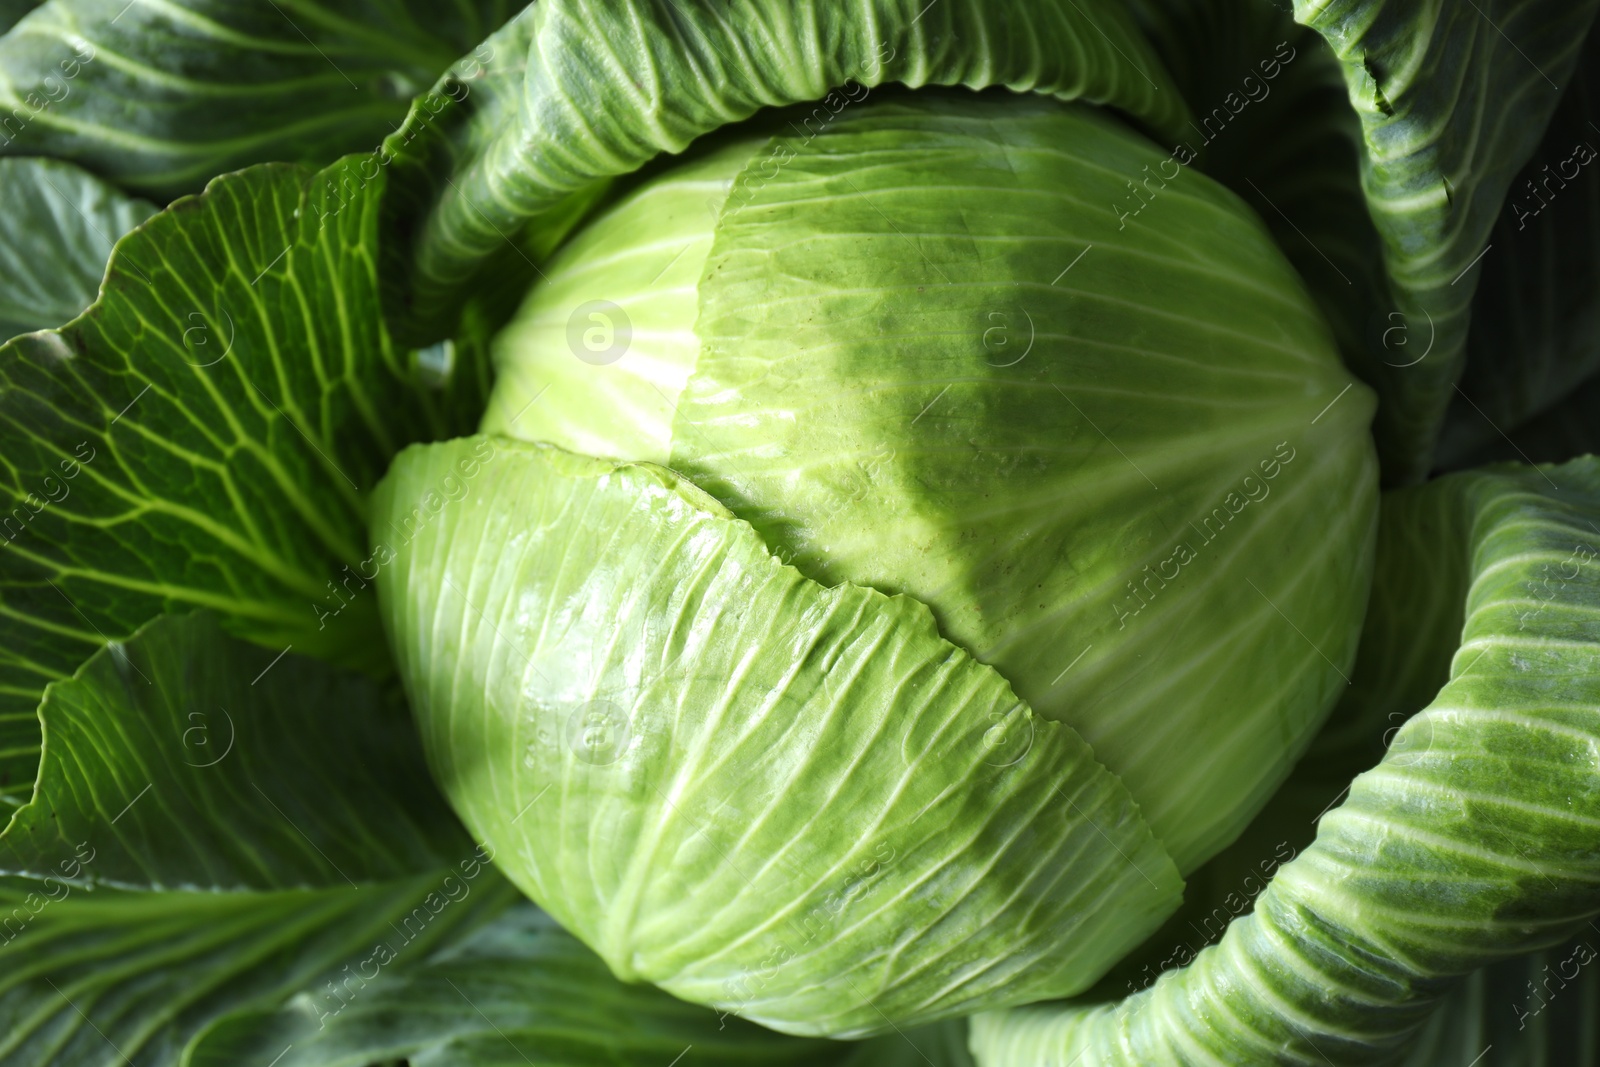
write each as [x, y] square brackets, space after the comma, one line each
[1536, 316]
[478, 96]
[117, 979]
[56, 234]
[1537, 1010]
[606, 87]
[1453, 99]
[518, 988]
[162, 96]
[194, 760]
[797, 803]
[1472, 841]
[1494, 1016]
[204, 437]
[290, 794]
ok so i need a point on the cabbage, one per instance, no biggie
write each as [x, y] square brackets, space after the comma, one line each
[821, 370]
[659, 532]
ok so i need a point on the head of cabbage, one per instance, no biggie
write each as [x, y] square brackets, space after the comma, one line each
[903, 543]
[919, 520]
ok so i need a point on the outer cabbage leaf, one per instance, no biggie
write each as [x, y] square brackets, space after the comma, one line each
[1537, 1010]
[607, 86]
[1472, 841]
[518, 988]
[443, 132]
[204, 438]
[290, 794]
[1535, 336]
[792, 802]
[162, 95]
[193, 760]
[56, 233]
[1453, 99]
[1528, 1011]
[116, 979]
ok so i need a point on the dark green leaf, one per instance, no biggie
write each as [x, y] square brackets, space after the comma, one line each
[1536, 316]
[12, 10]
[1570, 428]
[1453, 99]
[520, 990]
[189, 759]
[116, 979]
[56, 232]
[162, 96]
[940, 1045]
[204, 438]
[1537, 1010]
